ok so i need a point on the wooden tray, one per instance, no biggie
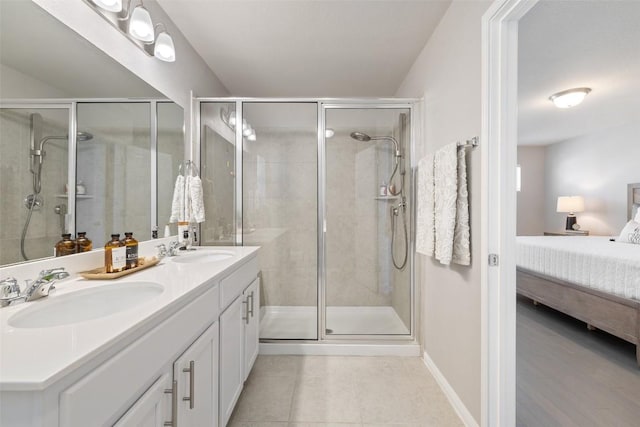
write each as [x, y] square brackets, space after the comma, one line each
[101, 274]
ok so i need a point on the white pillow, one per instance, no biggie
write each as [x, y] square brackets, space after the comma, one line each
[630, 233]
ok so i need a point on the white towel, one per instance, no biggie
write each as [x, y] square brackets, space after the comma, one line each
[425, 225]
[177, 204]
[197, 200]
[446, 191]
[461, 237]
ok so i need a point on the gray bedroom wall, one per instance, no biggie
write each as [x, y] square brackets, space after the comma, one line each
[597, 166]
[531, 197]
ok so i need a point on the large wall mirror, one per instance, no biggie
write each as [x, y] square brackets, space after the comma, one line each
[85, 145]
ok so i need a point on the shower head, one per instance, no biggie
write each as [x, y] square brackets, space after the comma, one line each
[360, 136]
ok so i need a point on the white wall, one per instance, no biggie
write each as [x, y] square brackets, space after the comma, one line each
[448, 74]
[16, 84]
[175, 80]
[531, 197]
[597, 166]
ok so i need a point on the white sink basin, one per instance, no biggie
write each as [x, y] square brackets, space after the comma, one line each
[203, 256]
[85, 305]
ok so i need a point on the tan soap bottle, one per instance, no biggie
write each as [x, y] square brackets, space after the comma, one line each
[66, 246]
[115, 255]
[82, 243]
[131, 246]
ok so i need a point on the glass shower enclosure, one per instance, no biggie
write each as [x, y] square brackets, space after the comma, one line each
[325, 189]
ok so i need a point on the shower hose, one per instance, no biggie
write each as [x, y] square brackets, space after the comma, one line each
[394, 214]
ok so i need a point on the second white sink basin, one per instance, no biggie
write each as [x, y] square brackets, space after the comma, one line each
[85, 305]
[203, 256]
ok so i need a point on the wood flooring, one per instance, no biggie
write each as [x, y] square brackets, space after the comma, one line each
[569, 376]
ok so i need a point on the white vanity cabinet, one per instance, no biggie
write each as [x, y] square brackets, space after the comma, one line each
[184, 366]
[239, 330]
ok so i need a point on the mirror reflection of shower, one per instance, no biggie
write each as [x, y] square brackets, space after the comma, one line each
[401, 207]
[34, 201]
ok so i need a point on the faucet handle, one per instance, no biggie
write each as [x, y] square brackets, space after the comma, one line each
[53, 274]
[9, 287]
[162, 250]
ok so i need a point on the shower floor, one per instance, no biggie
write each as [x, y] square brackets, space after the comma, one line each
[284, 322]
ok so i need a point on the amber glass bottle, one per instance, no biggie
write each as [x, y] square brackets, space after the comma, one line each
[115, 255]
[66, 246]
[131, 245]
[82, 243]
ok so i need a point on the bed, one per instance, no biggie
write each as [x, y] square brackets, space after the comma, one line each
[589, 278]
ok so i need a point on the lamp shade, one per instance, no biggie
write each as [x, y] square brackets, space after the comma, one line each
[570, 204]
[164, 49]
[140, 25]
[109, 5]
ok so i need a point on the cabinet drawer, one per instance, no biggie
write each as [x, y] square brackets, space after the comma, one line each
[233, 285]
[100, 397]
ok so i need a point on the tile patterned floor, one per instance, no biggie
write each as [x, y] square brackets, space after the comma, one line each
[332, 391]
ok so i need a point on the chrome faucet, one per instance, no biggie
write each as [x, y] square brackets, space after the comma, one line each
[171, 251]
[36, 289]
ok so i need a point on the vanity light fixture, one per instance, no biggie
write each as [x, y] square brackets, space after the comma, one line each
[109, 5]
[163, 49]
[248, 131]
[228, 117]
[570, 97]
[328, 133]
[252, 135]
[136, 24]
[140, 24]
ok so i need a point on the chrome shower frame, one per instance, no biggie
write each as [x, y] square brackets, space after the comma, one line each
[324, 104]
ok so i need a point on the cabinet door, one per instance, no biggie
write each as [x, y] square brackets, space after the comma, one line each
[197, 374]
[231, 357]
[153, 408]
[251, 326]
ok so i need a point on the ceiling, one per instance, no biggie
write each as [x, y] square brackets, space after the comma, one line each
[314, 48]
[568, 44]
[38, 45]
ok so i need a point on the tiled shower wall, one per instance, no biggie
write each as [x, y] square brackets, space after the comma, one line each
[16, 183]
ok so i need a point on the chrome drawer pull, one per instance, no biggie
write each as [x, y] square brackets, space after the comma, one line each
[174, 404]
[192, 374]
[251, 311]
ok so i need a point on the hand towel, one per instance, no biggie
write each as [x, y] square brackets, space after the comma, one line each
[446, 191]
[425, 225]
[197, 200]
[188, 207]
[461, 236]
[177, 203]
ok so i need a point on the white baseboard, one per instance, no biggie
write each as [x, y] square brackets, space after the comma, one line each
[411, 349]
[451, 394]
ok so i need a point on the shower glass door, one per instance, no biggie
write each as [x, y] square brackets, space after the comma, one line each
[279, 206]
[367, 216]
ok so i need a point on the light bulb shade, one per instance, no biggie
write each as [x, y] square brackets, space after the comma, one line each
[164, 49]
[245, 125]
[248, 131]
[570, 204]
[569, 98]
[109, 5]
[140, 25]
[252, 136]
[232, 119]
[328, 133]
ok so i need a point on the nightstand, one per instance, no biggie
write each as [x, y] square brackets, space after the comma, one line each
[567, 233]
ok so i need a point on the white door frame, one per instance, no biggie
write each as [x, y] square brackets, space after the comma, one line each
[498, 200]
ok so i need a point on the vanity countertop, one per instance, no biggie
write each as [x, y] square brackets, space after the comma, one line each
[34, 358]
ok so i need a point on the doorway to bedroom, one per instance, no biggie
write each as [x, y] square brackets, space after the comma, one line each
[578, 193]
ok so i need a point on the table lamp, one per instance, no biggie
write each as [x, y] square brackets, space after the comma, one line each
[570, 205]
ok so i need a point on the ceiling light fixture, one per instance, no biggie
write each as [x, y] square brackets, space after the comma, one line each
[140, 24]
[163, 48]
[109, 5]
[570, 97]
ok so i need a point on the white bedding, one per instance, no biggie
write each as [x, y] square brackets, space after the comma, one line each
[591, 261]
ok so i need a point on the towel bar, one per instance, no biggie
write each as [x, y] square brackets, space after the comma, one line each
[473, 143]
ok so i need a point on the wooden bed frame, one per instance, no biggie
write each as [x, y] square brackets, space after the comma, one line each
[616, 315]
